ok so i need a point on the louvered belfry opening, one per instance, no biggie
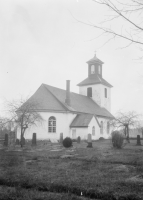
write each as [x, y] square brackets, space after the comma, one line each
[89, 91]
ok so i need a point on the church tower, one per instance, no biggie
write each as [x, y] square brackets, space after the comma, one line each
[95, 86]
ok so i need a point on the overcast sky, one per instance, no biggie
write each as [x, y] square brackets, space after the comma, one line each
[41, 42]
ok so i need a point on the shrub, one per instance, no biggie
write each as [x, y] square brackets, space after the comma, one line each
[117, 139]
[67, 142]
[101, 138]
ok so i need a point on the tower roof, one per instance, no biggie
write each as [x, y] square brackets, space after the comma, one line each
[93, 81]
[95, 60]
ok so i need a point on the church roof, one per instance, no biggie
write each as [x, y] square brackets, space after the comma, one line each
[50, 98]
[95, 80]
[81, 120]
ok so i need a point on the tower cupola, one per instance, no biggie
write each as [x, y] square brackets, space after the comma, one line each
[94, 67]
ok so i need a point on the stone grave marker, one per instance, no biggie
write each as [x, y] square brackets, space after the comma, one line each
[61, 138]
[12, 138]
[17, 142]
[89, 140]
[34, 139]
[78, 139]
[138, 140]
[6, 140]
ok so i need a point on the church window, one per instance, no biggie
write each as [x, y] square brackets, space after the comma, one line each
[92, 69]
[108, 127]
[89, 92]
[105, 92]
[52, 125]
[101, 127]
[93, 130]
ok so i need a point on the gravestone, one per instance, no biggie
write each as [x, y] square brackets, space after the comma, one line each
[6, 140]
[61, 138]
[78, 139]
[89, 140]
[11, 138]
[17, 141]
[138, 140]
[34, 139]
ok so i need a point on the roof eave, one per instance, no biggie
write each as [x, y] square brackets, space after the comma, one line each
[94, 61]
[84, 84]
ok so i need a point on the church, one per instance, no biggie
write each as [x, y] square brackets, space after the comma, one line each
[74, 114]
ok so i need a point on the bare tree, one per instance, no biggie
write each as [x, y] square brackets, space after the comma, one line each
[25, 114]
[4, 122]
[124, 21]
[126, 121]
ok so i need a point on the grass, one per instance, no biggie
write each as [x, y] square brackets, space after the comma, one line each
[100, 172]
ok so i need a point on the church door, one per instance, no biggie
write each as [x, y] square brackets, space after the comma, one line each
[73, 133]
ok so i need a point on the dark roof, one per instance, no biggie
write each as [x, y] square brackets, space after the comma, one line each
[95, 60]
[95, 80]
[81, 120]
[46, 100]
[50, 98]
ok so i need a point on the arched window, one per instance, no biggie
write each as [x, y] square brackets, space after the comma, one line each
[93, 130]
[92, 69]
[108, 127]
[52, 125]
[101, 127]
[89, 92]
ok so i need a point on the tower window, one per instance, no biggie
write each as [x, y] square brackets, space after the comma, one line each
[92, 69]
[89, 92]
[52, 125]
[105, 92]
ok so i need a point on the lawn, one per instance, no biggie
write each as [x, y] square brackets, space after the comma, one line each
[78, 173]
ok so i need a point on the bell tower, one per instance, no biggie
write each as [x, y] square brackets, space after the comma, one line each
[94, 67]
[95, 86]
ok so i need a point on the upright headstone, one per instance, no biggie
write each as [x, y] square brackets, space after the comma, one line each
[17, 141]
[89, 140]
[12, 138]
[78, 139]
[6, 140]
[34, 139]
[138, 140]
[61, 138]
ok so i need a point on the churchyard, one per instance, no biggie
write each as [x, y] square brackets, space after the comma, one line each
[50, 171]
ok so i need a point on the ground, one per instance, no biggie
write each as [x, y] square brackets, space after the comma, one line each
[52, 172]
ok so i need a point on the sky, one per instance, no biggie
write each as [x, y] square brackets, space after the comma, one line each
[41, 41]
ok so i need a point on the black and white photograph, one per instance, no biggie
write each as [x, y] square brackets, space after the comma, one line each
[71, 99]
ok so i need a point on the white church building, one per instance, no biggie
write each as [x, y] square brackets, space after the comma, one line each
[74, 114]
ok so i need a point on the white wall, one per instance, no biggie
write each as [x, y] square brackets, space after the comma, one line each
[63, 120]
[98, 95]
[92, 123]
[82, 132]
[106, 102]
[105, 134]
